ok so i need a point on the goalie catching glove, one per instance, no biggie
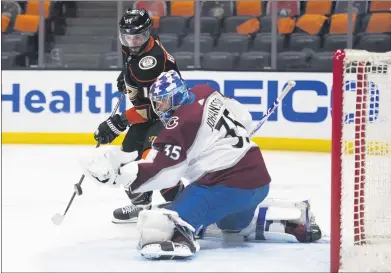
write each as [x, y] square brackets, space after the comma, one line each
[111, 167]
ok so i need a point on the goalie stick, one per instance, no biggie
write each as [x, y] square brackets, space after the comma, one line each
[284, 92]
[58, 218]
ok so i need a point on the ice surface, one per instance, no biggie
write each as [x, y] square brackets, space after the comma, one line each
[37, 182]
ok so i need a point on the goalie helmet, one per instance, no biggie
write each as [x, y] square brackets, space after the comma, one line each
[167, 94]
[134, 30]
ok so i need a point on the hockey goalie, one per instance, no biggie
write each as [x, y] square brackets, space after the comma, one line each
[206, 140]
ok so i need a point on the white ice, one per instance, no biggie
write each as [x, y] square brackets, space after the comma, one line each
[37, 182]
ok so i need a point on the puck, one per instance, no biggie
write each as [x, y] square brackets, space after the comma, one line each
[78, 189]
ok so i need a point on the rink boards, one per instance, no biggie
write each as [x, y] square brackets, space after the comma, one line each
[65, 107]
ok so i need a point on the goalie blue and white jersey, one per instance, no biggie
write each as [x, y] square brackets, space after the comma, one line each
[206, 142]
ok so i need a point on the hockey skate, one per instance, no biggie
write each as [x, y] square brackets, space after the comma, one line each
[129, 214]
[304, 229]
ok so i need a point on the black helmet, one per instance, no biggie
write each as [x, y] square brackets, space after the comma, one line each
[134, 29]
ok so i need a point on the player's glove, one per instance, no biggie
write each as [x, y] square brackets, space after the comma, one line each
[110, 129]
[121, 83]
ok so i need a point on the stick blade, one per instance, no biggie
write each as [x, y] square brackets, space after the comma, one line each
[57, 219]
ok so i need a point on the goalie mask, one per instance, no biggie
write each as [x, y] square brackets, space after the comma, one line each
[134, 30]
[167, 94]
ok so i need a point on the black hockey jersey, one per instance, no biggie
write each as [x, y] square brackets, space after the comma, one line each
[141, 73]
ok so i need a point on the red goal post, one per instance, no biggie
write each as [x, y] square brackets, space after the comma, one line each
[361, 162]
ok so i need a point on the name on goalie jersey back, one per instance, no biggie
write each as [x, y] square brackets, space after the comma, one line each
[214, 109]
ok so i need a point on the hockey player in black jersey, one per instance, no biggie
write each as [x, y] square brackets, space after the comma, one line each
[144, 60]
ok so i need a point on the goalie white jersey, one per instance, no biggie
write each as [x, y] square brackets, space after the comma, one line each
[206, 142]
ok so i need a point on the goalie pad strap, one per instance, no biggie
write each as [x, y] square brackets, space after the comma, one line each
[260, 224]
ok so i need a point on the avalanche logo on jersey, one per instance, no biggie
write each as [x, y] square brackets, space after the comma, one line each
[172, 123]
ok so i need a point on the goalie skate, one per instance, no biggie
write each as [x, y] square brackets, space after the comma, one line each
[304, 229]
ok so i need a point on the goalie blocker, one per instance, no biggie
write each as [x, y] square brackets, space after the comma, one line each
[206, 140]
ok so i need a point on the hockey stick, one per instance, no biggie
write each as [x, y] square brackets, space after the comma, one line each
[286, 90]
[58, 218]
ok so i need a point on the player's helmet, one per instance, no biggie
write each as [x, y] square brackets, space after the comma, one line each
[167, 94]
[134, 29]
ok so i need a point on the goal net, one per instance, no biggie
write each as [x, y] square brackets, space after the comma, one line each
[361, 162]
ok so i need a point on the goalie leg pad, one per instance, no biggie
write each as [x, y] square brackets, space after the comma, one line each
[284, 223]
[164, 235]
[154, 226]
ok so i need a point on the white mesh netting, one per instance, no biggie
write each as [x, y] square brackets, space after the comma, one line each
[366, 163]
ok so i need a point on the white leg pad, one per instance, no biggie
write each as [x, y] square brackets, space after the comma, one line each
[275, 234]
[155, 226]
[293, 211]
[275, 214]
[278, 210]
